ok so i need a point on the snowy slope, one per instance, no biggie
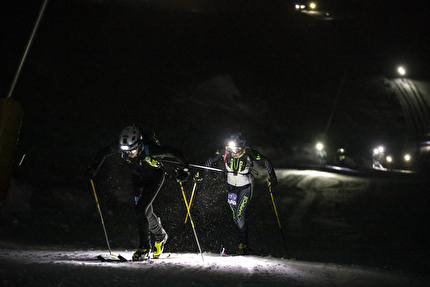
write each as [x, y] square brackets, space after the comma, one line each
[77, 268]
[339, 229]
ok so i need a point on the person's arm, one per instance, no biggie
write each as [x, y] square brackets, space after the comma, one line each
[100, 157]
[162, 152]
[215, 158]
[264, 161]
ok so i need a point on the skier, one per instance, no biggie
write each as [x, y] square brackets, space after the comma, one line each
[143, 152]
[239, 159]
[321, 154]
[341, 156]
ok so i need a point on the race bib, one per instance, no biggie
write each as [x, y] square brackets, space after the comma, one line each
[232, 197]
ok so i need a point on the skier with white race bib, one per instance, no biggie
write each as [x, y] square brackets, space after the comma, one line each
[238, 160]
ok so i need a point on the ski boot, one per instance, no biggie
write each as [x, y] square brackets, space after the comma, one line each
[242, 250]
[141, 254]
[159, 246]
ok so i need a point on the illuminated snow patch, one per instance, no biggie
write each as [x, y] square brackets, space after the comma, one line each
[77, 268]
[212, 261]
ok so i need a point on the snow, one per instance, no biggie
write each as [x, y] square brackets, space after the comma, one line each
[55, 249]
[193, 79]
[78, 268]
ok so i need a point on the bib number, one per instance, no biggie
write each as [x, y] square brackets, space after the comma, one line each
[232, 198]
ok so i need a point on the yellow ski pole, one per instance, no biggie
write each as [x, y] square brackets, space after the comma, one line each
[277, 217]
[191, 220]
[192, 195]
[121, 258]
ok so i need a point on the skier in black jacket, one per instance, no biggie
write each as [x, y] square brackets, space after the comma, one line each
[143, 152]
[239, 159]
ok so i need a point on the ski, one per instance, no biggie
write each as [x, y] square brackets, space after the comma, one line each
[223, 254]
[161, 257]
[232, 254]
[112, 258]
[120, 258]
[244, 253]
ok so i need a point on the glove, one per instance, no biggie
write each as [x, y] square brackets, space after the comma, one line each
[273, 181]
[91, 172]
[182, 175]
[197, 177]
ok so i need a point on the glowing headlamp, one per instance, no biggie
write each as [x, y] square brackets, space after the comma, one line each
[125, 147]
[232, 147]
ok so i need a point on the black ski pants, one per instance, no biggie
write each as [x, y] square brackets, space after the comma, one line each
[244, 195]
[145, 191]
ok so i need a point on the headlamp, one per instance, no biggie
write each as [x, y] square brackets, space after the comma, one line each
[232, 147]
[125, 147]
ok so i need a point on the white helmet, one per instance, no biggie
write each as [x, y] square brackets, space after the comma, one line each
[236, 143]
[130, 138]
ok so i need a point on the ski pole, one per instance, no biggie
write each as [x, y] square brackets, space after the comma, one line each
[195, 165]
[206, 167]
[192, 195]
[103, 223]
[191, 220]
[29, 43]
[277, 217]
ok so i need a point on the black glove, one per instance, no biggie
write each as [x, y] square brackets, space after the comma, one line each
[182, 174]
[91, 172]
[273, 181]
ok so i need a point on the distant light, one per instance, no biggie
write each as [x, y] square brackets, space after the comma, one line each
[389, 159]
[401, 71]
[319, 146]
[378, 150]
[300, 6]
[312, 5]
[407, 157]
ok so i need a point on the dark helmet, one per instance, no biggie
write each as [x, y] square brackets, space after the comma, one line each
[235, 143]
[130, 138]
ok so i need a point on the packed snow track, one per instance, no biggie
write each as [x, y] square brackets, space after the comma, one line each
[53, 267]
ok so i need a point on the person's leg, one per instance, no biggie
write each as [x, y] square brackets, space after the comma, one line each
[238, 207]
[158, 231]
[244, 198]
[147, 222]
[144, 248]
[154, 222]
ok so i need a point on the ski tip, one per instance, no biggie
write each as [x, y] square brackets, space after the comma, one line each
[101, 258]
[122, 259]
[112, 258]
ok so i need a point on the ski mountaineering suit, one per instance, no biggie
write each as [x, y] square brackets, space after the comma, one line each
[147, 175]
[240, 182]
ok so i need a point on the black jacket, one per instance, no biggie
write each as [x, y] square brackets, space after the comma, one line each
[149, 156]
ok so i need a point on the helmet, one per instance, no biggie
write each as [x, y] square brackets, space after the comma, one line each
[129, 138]
[236, 143]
